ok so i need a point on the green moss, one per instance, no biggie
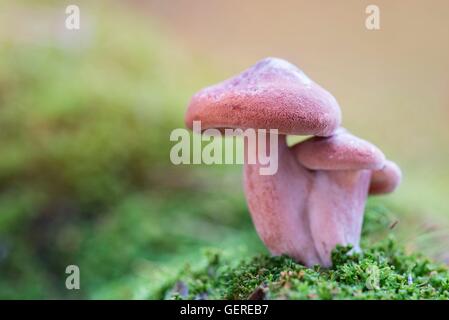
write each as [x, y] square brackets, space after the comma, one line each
[383, 271]
[83, 129]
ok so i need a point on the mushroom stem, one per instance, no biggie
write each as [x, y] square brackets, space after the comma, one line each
[276, 203]
[336, 207]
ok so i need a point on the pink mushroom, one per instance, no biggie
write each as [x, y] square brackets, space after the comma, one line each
[317, 197]
[344, 170]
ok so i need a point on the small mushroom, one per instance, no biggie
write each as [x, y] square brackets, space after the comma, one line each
[386, 179]
[316, 198]
[346, 169]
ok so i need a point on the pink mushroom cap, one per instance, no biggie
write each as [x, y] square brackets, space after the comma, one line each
[272, 94]
[342, 151]
[386, 179]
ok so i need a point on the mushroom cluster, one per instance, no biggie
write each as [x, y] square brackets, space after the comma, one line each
[317, 197]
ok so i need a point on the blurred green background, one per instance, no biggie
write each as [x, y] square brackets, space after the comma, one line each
[85, 118]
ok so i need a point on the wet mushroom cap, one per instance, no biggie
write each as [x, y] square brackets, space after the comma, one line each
[386, 179]
[272, 94]
[342, 151]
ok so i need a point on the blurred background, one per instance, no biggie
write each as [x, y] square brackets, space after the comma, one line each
[85, 118]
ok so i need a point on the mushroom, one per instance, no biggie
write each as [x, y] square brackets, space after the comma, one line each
[345, 170]
[316, 198]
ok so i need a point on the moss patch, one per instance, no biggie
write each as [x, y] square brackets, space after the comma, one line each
[383, 271]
